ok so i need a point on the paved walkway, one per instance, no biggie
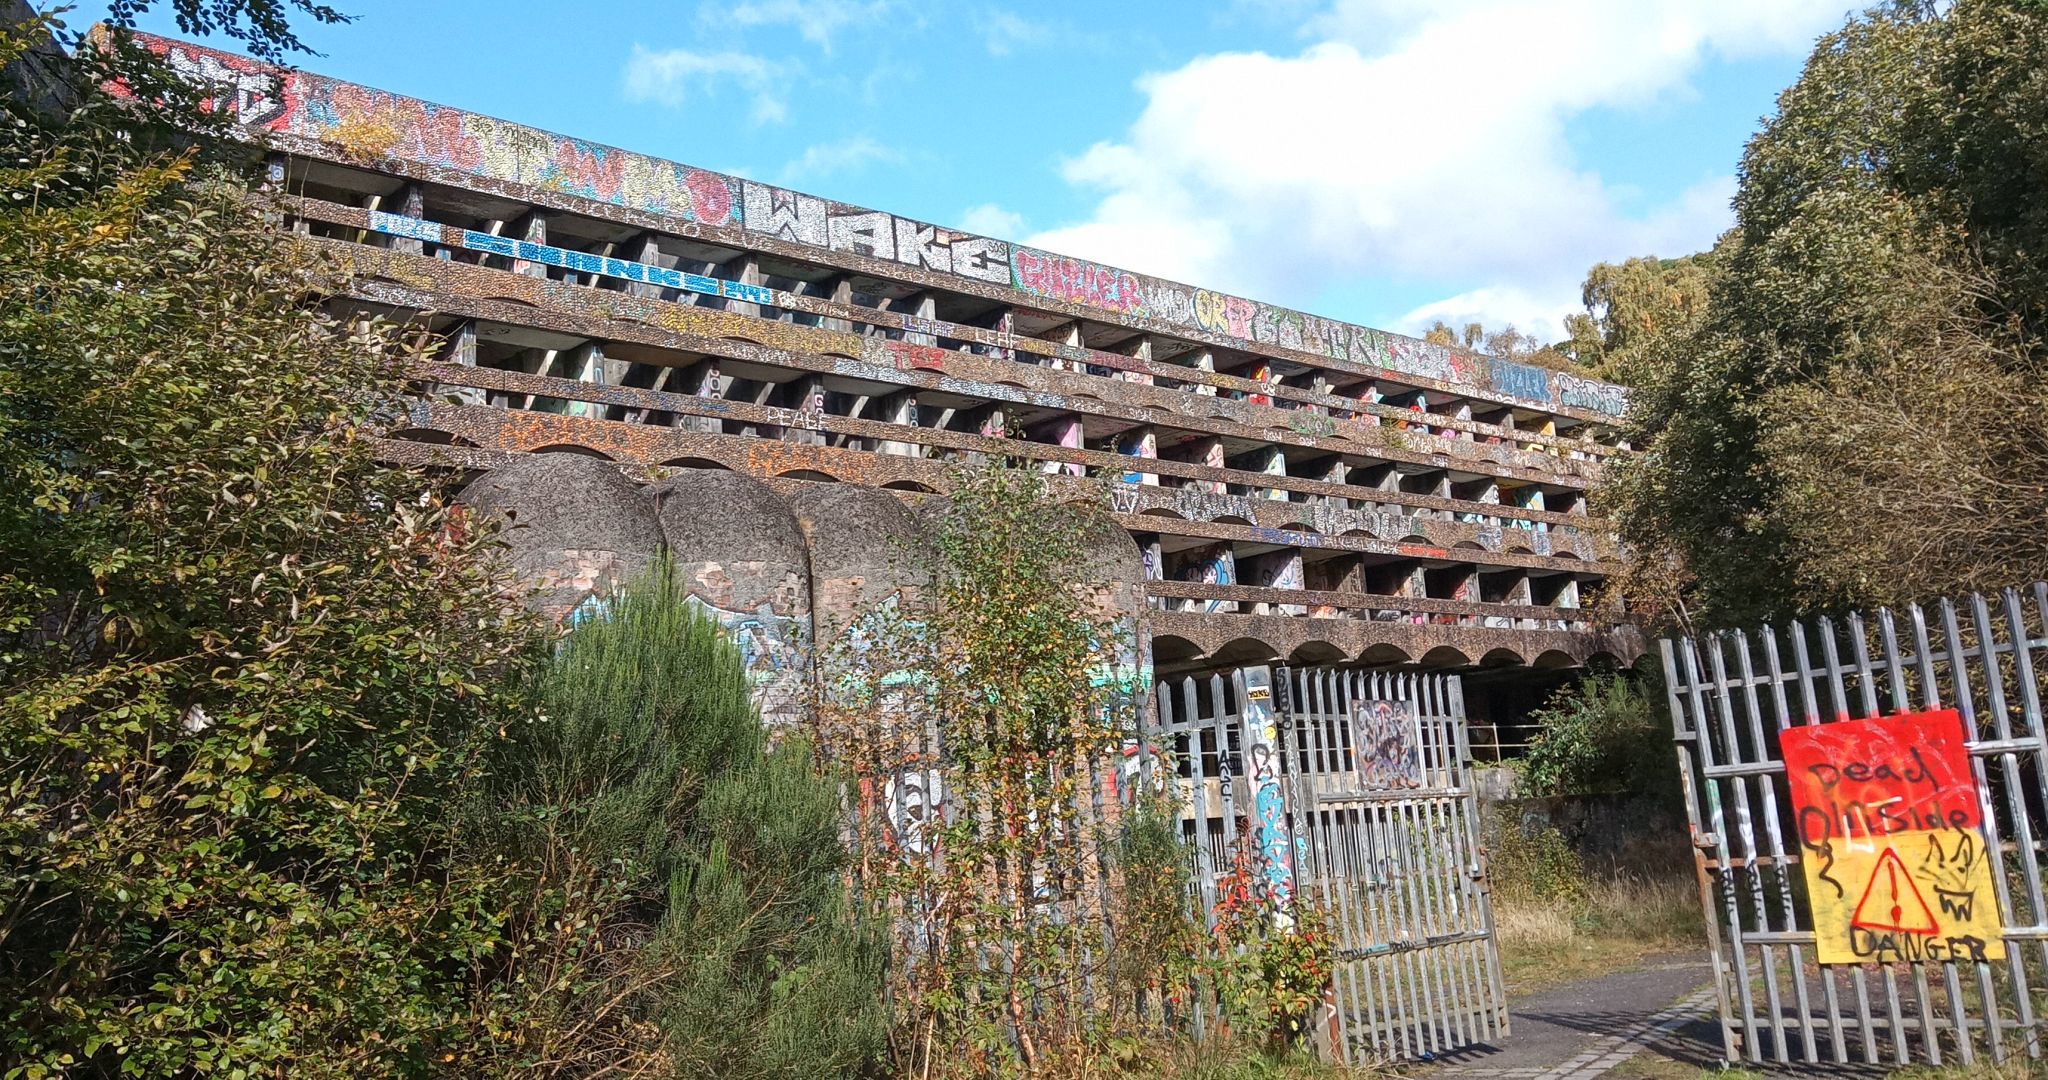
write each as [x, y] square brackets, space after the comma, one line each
[1583, 1030]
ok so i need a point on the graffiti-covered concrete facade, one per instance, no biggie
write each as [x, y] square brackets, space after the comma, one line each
[1294, 487]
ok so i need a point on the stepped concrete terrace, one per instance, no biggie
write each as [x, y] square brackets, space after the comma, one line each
[629, 353]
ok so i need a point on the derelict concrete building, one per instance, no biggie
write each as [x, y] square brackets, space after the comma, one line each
[635, 352]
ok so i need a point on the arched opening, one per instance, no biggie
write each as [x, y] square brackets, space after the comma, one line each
[571, 448]
[1444, 656]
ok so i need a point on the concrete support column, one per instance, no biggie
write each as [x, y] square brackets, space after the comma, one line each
[1204, 360]
[839, 290]
[699, 380]
[1139, 350]
[1338, 573]
[461, 349]
[1261, 371]
[1208, 452]
[1212, 565]
[1068, 334]
[1061, 431]
[1280, 569]
[644, 248]
[900, 408]
[532, 228]
[1520, 593]
[746, 269]
[1139, 442]
[584, 363]
[410, 202]
[1275, 464]
[923, 307]
[807, 401]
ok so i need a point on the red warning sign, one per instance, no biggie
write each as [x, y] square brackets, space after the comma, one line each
[1891, 840]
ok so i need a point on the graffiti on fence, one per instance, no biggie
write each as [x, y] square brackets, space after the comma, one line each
[1891, 834]
[1275, 842]
[1386, 744]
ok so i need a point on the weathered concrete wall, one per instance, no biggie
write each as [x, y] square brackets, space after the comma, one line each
[738, 548]
[573, 525]
[786, 575]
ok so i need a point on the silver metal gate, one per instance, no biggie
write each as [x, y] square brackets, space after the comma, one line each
[1780, 851]
[1356, 790]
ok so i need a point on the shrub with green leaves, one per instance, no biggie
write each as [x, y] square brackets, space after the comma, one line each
[686, 878]
[244, 669]
[1602, 735]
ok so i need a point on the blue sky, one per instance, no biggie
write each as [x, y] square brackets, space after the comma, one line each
[1383, 161]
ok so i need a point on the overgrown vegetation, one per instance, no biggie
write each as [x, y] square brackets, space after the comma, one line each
[245, 671]
[1009, 829]
[1561, 918]
[678, 905]
[1855, 416]
[1604, 734]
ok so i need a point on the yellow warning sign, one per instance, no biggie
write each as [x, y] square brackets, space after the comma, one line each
[1891, 839]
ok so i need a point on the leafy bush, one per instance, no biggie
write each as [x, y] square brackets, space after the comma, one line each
[244, 669]
[1603, 735]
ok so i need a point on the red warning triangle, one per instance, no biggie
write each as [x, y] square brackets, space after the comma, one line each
[1891, 902]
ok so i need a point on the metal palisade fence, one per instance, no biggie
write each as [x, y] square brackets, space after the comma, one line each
[1355, 791]
[1866, 796]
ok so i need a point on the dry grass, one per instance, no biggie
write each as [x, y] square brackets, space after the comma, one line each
[1614, 921]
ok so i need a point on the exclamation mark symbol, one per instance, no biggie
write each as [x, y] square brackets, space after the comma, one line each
[1898, 912]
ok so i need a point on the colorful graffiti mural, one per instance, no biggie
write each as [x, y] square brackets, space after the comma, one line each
[1891, 831]
[1275, 841]
[771, 652]
[374, 124]
[1386, 745]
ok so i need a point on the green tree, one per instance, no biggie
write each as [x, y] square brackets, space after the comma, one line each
[687, 912]
[244, 669]
[1882, 290]
[1606, 733]
[1634, 311]
[1507, 343]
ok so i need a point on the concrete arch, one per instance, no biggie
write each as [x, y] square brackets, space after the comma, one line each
[1163, 512]
[430, 435]
[1316, 652]
[1445, 656]
[701, 463]
[813, 475]
[572, 448]
[1553, 658]
[572, 524]
[1172, 649]
[1244, 650]
[855, 537]
[739, 552]
[1501, 657]
[911, 485]
[1385, 653]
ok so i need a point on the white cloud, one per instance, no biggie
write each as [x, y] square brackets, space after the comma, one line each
[669, 76]
[991, 220]
[816, 21]
[1415, 140]
[1004, 32]
[844, 155]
